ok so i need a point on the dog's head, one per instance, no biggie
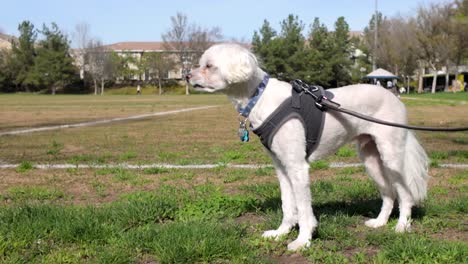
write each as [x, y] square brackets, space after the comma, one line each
[221, 66]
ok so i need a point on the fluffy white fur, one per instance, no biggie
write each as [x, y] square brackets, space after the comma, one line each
[392, 156]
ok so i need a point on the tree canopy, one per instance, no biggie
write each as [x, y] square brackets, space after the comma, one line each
[323, 57]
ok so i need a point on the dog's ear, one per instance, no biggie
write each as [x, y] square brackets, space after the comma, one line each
[240, 67]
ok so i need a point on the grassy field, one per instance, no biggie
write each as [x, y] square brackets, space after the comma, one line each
[156, 215]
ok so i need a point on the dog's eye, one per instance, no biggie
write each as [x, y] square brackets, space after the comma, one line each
[208, 66]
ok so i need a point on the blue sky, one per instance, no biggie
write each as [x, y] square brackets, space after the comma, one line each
[145, 20]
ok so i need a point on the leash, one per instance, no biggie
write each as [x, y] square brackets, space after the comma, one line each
[323, 103]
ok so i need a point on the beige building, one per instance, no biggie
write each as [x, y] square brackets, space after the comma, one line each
[5, 41]
[137, 49]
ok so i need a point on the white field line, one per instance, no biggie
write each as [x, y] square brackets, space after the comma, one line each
[190, 166]
[105, 121]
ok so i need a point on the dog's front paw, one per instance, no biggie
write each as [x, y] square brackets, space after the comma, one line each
[375, 223]
[403, 227]
[299, 244]
[276, 234]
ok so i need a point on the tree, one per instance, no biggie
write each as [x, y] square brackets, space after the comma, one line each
[102, 64]
[200, 39]
[281, 55]
[82, 38]
[375, 23]
[157, 65]
[324, 59]
[188, 41]
[459, 30]
[262, 42]
[319, 53]
[432, 35]
[23, 53]
[341, 53]
[6, 74]
[53, 65]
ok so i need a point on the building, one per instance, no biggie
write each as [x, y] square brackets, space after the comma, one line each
[137, 49]
[5, 41]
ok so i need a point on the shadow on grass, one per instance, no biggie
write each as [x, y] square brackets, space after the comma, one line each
[362, 207]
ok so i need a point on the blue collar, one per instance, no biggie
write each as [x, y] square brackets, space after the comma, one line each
[254, 99]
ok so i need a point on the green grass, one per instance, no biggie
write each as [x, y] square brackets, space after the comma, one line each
[24, 167]
[441, 96]
[186, 225]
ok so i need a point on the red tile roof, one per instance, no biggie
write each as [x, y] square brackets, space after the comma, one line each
[137, 46]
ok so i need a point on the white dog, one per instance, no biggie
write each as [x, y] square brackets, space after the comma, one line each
[392, 156]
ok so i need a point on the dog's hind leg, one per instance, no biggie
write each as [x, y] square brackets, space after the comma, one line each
[400, 156]
[370, 156]
[288, 203]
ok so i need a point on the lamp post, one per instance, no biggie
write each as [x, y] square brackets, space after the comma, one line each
[186, 61]
[374, 63]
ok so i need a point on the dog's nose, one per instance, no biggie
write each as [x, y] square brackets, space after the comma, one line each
[188, 77]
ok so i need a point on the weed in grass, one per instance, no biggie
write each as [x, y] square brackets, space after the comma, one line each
[24, 167]
[459, 205]
[415, 249]
[195, 242]
[217, 206]
[461, 155]
[459, 178]
[266, 171]
[54, 149]
[319, 165]
[460, 140]
[235, 175]
[320, 254]
[21, 194]
[77, 159]
[106, 171]
[351, 170]
[434, 163]
[72, 171]
[188, 176]
[232, 155]
[102, 159]
[438, 155]
[99, 187]
[345, 152]
[129, 155]
[437, 190]
[167, 156]
[155, 170]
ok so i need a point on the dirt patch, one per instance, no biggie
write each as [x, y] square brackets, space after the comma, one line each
[295, 258]
[452, 235]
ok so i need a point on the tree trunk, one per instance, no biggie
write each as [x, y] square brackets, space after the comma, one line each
[159, 84]
[53, 89]
[446, 78]
[434, 82]
[102, 86]
[95, 86]
[407, 91]
[420, 82]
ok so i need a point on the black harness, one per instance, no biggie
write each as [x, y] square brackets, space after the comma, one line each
[301, 106]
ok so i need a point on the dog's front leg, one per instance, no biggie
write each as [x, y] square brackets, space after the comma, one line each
[288, 204]
[299, 175]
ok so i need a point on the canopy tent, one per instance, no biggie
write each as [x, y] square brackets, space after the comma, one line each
[381, 74]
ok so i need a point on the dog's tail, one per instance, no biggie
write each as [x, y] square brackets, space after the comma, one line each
[416, 165]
